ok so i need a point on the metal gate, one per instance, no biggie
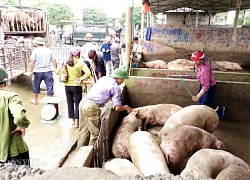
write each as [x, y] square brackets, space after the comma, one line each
[14, 58]
[62, 53]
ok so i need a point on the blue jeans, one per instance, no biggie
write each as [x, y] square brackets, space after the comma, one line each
[48, 79]
[208, 97]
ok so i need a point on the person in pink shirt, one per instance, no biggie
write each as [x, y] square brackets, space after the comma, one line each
[208, 86]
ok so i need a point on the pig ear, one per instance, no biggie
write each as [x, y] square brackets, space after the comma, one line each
[137, 113]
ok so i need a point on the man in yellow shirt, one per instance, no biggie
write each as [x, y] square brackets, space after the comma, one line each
[13, 123]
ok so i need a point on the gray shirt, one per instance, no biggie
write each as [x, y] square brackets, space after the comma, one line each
[115, 51]
[43, 57]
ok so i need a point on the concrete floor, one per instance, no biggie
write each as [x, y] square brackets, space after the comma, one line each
[236, 137]
[48, 143]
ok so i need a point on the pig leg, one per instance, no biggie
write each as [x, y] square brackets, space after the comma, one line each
[153, 132]
[212, 127]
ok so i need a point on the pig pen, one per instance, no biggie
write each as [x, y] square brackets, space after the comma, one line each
[155, 86]
[151, 86]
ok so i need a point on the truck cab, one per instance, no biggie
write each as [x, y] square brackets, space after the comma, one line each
[80, 29]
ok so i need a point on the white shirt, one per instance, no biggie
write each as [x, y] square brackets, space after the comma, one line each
[86, 48]
[138, 48]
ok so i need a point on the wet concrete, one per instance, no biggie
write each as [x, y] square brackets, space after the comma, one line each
[235, 136]
[48, 142]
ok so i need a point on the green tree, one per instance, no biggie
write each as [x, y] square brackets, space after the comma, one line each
[10, 2]
[59, 14]
[92, 14]
[220, 18]
[241, 16]
[137, 17]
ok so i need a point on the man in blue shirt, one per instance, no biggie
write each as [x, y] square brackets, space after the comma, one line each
[106, 55]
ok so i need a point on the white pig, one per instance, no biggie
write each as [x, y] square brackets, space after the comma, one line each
[234, 172]
[208, 163]
[146, 154]
[156, 64]
[225, 65]
[156, 114]
[200, 116]
[182, 141]
[181, 64]
[128, 125]
[122, 167]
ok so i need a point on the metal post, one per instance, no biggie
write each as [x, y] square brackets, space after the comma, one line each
[244, 17]
[128, 34]
[142, 25]
[236, 22]
[210, 15]
[197, 19]
[226, 18]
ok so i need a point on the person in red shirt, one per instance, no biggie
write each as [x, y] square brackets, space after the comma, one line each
[208, 86]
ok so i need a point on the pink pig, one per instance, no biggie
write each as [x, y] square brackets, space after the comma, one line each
[182, 141]
[156, 64]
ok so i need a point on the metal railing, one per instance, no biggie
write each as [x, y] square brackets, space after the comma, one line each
[62, 53]
[14, 58]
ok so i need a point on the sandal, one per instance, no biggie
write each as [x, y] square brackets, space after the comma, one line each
[76, 124]
[33, 102]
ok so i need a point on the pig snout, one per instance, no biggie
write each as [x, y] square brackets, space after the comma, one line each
[219, 145]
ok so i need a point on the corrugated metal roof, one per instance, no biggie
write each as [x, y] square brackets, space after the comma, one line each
[214, 6]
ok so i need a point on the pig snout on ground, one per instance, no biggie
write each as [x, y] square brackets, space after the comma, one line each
[122, 167]
[146, 154]
[208, 163]
[200, 116]
[128, 125]
[182, 141]
[156, 114]
[156, 64]
[234, 172]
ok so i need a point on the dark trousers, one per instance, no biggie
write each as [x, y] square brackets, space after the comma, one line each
[48, 79]
[73, 96]
[208, 97]
[20, 159]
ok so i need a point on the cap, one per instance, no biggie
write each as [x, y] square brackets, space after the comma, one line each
[197, 55]
[38, 40]
[75, 51]
[108, 39]
[88, 35]
[119, 73]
